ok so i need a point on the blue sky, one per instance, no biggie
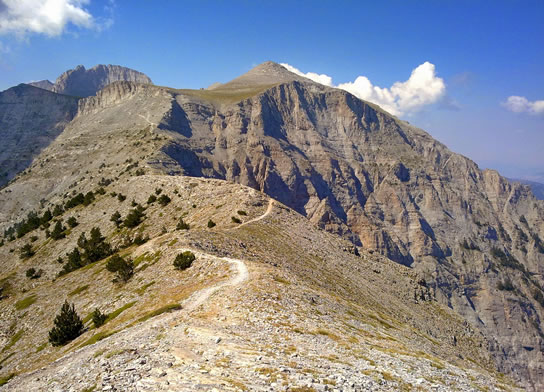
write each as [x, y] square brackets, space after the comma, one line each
[479, 54]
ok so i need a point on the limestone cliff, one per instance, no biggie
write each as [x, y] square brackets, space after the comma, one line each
[83, 82]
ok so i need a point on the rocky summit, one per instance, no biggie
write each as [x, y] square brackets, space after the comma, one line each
[333, 246]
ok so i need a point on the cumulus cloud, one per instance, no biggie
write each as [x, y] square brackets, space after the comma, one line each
[519, 104]
[48, 17]
[422, 88]
[319, 78]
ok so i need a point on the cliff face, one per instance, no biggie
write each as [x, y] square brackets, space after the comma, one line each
[30, 118]
[83, 82]
[471, 236]
[357, 171]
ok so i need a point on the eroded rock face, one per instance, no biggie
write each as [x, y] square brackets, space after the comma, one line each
[390, 187]
[83, 82]
[43, 84]
[30, 118]
[350, 167]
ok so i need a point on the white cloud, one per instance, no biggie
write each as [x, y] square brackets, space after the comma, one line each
[319, 78]
[518, 104]
[49, 17]
[421, 89]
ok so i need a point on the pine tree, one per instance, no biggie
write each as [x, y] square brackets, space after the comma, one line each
[74, 262]
[124, 269]
[95, 248]
[58, 231]
[99, 318]
[116, 218]
[68, 326]
[184, 260]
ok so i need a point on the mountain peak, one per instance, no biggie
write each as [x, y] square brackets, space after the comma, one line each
[267, 73]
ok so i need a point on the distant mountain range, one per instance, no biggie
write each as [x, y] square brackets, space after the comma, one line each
[536, 187]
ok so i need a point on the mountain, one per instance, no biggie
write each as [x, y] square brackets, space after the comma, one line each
[83, 82]
[536, 187]
[43, 84]
[469, 239]
[30, 119]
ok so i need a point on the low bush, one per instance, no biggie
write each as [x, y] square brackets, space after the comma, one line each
[124, 269]
[184, 260]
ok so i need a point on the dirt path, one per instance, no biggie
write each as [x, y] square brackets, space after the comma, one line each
[268, 211]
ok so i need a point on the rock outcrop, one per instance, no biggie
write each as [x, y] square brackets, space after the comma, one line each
[83, 82]
[43, 84]
[30, 118]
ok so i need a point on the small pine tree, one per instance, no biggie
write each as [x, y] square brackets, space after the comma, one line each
[99, 318]
[88, 199]
[164, 200]
[152, 199]
[26, 252]
[184, 260]
[134, 217]
[182, 225]
[58, 231]
[235, 219]
[46, 217]
[124, 269]
[57, 211]
[72, 222]
[116, 218]
[96, 248]
[73, 263]
[121, 197]
[211, 224]
[68, 326]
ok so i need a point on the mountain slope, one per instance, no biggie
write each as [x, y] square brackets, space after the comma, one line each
[30, 118]
[348, 166]
[269, 302]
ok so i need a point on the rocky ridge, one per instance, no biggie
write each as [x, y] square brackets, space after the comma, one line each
[346, 165]
[82, 82]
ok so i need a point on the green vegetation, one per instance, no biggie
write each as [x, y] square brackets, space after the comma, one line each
[68, 326]
[14, 339]
[152, 199]
[134, 217]
[97, 337]
[182, 225]
[79, 290]
[72, 222]
[116, 219]
[242, 213]
[184, 260]
[235, 219]
[74, 262]
[124, 269]
[25, 302]
[117, 312]
[121, 197]
[211, 224]
[58, 231]
[26, 252]
[156, 312]
[4, 380]
[31, 273]
[164, 200]
[99, 318]
[142, 289]
[96, 248]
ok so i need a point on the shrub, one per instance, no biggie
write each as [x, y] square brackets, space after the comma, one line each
[99, 318]
[116, 218]
[68, 326]
[184, 260]
[72, 222]
[57, 211]
[96, 248]
[164, 200]
[124, 269]
[73, 262]
[89, 198]
[134, 217]
[242, 213]
[140, 172]
[152, 199]
[235, 219]
[58, 231]
[26, 252]
[121, 197]
[31, 273]
[140, 239]
[211, 224]
[74, 201]
[158, 191]
[182, 225]
[46, 217]
[101, 191]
